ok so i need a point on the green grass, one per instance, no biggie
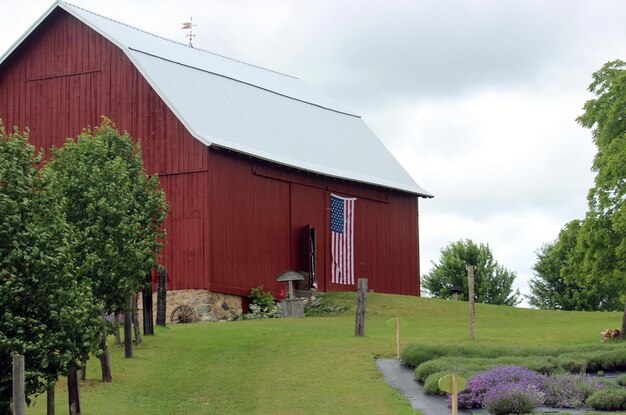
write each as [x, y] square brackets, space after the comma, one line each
[306, 366]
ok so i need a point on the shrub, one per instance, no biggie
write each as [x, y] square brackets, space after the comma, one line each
[510, 398]
[498, 377]
[613, 360]
[609, 399]
[263, 299]
[431, 384]
[262, 305]
[414, 355]
[569, 391]
[621, 380]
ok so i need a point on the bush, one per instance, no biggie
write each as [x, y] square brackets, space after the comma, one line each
[498, 378]
[621, 380]
[431, 384]
[569, 391]
[263, 299]
[578, 358]
[262, 305]
[608, 399]
[512, 399]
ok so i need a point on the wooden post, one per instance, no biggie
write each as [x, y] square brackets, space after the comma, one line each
[398, 337]
[128, 329]
[105, 362]
[470, 278]
[361, 306]
[161, 296]
[19, 402]
[148, 327]
[73, 392]
[455, 395]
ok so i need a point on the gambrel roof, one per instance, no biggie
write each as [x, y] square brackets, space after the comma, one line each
[230, 104]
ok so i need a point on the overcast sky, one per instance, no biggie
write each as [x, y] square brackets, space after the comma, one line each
[477, 99]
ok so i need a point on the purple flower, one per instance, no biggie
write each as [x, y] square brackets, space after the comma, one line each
[500, 378]
[569, 391]
[512, 398]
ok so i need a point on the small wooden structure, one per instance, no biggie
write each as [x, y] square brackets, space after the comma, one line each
[291, 307]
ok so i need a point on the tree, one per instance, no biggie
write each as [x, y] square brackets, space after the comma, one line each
[116, 210]
[45, 313]
[602, 240]
[492, 283]
[559, 281]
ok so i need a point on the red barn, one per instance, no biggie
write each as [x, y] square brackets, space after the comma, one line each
[248, 157]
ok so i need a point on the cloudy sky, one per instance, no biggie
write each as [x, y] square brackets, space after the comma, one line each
[477, 99]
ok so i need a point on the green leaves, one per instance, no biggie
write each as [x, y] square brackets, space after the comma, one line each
[114, 208]
[588, 260]
[493, 282]
[36, 281]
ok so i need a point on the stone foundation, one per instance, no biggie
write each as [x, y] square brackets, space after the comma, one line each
[207, 306]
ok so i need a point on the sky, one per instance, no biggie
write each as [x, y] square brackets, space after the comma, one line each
[477, 99]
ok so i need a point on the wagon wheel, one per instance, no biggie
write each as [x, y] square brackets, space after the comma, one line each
[183, 314]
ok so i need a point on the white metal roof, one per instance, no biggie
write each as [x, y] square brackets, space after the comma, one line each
[242, 107]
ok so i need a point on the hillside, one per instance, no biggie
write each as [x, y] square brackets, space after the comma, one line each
[312, 365]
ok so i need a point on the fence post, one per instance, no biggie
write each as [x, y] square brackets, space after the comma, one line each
[359, 327]
[19, 402]
[470, 277]
[161, 296]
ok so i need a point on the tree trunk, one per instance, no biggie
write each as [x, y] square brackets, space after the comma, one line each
[50, 398]
[148, 328]
[128, 330]
[621, 335]
[116, 323]
[73, 392]
[83, 368]
[105, 363]
[161, 296]
[136, 320]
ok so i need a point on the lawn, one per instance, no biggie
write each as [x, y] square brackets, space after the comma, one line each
[305, 366]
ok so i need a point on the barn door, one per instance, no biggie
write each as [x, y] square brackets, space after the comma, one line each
[310, 252]
[308, 215]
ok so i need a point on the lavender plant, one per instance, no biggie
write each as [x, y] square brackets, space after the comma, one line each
[512, 398]
[569, 391]
[501, 378]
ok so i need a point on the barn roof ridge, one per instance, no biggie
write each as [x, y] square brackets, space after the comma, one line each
[244, 82]
[177, 42]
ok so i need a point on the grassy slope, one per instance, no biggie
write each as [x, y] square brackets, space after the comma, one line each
[314, 365]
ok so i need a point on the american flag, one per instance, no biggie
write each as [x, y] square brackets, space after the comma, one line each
[342, 239]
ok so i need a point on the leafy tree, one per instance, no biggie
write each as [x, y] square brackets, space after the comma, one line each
[492, 282]
[602, 240]
[559, 281]
[116, 210]
[45, 314]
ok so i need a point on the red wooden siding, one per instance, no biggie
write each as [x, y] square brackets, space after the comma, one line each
[235, 222]
[386, 228]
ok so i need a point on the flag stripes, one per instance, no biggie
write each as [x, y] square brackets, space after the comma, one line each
[342, 239]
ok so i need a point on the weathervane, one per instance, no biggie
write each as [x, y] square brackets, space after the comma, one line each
[189, 26]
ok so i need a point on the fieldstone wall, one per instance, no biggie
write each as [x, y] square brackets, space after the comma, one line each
[207, 305]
